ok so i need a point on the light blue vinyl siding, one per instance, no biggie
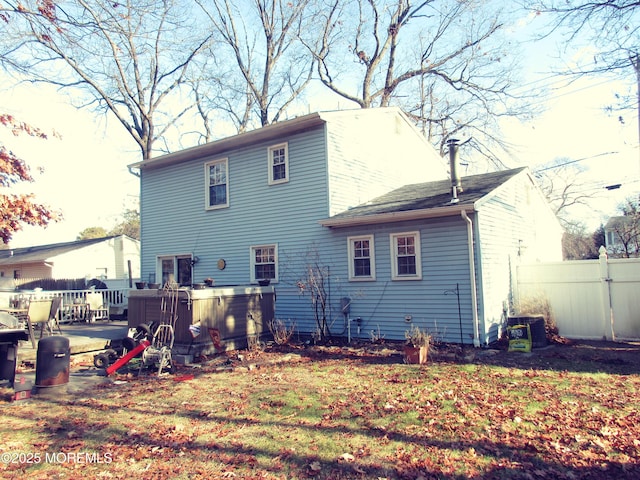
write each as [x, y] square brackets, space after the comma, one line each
[175, 221]
[384, 303]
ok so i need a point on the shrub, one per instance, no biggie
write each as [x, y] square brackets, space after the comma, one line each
[281, 332]
[416, 337]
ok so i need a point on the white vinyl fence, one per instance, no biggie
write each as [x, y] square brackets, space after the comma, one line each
[590, 299]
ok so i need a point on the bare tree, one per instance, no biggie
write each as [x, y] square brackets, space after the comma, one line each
[128, 58]
[443, 62]
[271, 69]
[610, 31]
[578, 244]
[562, 182]
[315, 281]
[626, 229]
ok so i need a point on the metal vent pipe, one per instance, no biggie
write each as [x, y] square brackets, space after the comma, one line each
[456, 183]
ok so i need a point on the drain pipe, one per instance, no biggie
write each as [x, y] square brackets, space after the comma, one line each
[472, 274]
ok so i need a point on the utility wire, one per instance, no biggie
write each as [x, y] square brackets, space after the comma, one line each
[573, 161]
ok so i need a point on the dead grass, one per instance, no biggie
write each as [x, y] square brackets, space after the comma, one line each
[337, 413]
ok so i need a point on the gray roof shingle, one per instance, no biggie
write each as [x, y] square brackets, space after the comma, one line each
[430, 195]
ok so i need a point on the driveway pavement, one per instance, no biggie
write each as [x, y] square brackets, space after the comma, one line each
[83, 338]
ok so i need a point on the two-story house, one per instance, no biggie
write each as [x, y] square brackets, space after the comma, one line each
[363, 199]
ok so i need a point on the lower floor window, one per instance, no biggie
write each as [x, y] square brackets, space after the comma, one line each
[361, 258]
[264, 265]
[176, 269]
[406, 264]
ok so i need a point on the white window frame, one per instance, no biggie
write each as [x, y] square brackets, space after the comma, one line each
[352, 257]
[174, 259]
[207, 183]
[393, 240]
[252, 261]
[271, 151]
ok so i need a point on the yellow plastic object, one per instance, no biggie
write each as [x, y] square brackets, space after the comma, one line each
[519, 338]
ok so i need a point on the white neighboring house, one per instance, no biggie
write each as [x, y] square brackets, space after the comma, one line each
[622, 236]
[104, 258]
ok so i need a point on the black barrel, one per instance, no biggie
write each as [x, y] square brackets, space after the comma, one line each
[536, 325]
[52, 362]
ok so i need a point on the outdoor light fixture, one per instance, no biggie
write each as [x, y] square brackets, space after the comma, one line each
[194, 260]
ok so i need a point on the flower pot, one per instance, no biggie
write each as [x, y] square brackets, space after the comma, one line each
[141, 285]
[416, 355]
[154, 286]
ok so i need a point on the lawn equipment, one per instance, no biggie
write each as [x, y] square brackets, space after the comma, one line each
[154, 349]
[119, 347]
[158, 353]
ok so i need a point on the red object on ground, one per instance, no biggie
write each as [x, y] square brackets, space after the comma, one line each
[121, 362]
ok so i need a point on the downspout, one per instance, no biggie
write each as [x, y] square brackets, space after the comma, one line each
[472, 274]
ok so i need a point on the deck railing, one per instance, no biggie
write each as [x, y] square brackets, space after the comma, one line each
[116, 299]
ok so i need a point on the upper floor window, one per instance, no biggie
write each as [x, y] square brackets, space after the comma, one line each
[217, 181]
[264, 263]
[405, 254]
[361, 258]
[278, 164]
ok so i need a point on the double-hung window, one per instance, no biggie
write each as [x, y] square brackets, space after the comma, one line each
[278, 164]
[264, 263]
[217, 183]
[361, 258]
[405, 255]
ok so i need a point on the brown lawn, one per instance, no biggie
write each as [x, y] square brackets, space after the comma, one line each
[566, 411]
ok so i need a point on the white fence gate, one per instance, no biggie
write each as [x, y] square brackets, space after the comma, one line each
[590, 299]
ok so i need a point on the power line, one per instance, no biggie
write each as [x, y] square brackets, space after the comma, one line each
[573, 161]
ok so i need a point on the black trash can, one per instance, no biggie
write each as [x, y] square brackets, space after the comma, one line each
[536, 325]
[52, 363]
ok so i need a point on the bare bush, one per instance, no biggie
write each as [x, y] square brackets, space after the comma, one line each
[537, 305]
[281, 332]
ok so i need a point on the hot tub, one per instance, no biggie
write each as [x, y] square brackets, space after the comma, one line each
[236, 312]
